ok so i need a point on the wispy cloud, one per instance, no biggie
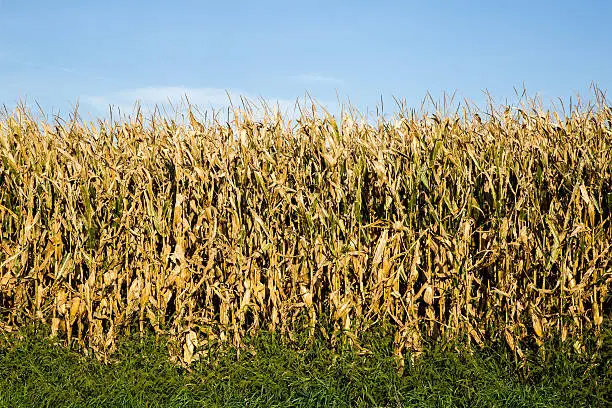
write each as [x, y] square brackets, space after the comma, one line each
[314, 77]
[7, 57]
[169, 98]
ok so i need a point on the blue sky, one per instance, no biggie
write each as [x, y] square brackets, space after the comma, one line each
[115, 52]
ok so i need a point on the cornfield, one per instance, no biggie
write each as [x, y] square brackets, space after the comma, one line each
[491, 227]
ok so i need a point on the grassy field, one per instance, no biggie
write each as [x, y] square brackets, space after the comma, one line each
[488, 230]
[34, 372]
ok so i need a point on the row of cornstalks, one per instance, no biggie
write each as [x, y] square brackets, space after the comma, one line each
[480, 230]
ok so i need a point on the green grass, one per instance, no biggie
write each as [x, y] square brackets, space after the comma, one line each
[34, 372]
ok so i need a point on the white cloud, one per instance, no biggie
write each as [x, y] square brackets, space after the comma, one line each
[171, 98]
